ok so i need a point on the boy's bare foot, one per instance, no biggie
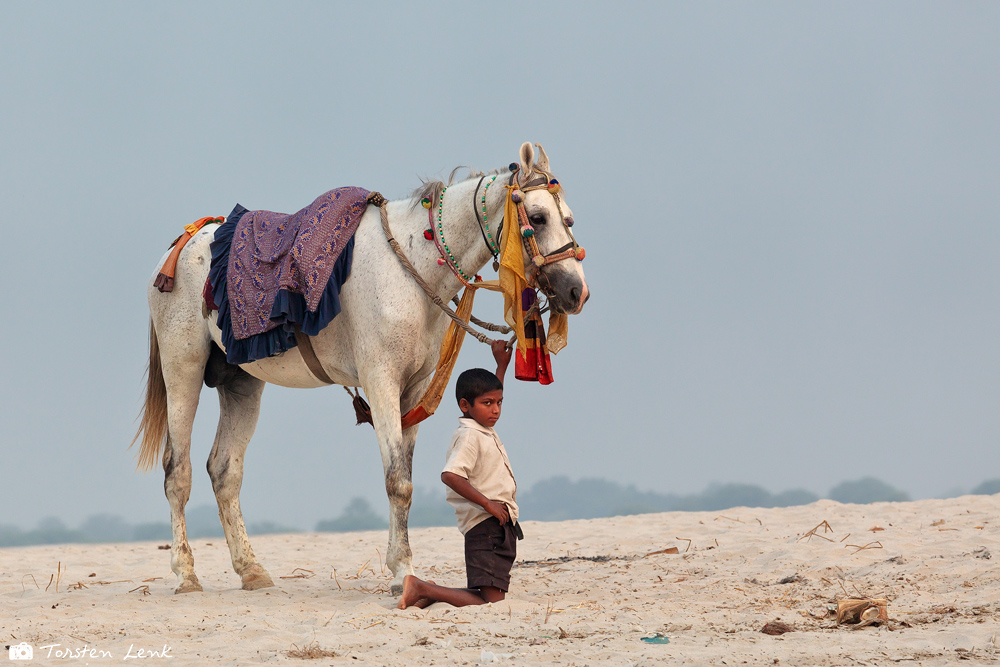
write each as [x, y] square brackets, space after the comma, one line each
[411, 592]
[423, 603]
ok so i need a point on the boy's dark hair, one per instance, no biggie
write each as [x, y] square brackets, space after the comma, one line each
[475, 382]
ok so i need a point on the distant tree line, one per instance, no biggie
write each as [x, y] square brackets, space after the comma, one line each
[554, 499]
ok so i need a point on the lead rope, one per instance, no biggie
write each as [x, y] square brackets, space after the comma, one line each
[380, 201]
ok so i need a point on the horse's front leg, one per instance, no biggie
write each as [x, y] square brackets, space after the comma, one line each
[396, 447]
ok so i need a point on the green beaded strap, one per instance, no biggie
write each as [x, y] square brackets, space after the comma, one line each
[443, 248]
[486, 222]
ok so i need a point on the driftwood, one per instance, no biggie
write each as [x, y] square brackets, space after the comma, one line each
[862, 611]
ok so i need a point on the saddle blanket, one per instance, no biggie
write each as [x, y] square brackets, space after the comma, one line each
[274, 272]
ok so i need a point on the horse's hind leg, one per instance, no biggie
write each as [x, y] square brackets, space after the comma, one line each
[183, 380]
[239, 406]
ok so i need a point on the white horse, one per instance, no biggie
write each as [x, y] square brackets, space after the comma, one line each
[385, 340]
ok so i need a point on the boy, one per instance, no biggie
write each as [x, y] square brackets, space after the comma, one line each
[481, 488]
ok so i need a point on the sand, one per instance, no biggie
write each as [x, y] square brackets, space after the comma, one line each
[583, 593]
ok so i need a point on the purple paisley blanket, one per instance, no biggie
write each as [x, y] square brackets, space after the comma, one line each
[275, 252]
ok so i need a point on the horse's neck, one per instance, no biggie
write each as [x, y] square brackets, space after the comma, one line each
[460, 228]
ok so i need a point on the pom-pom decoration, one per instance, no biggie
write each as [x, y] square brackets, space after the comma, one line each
[554, 186]
[429, 234]
[516, 196]
[538, 261]
[527, 232]
[426, 202]
[513, 166]
[440, 261]
[580, 254]
[568, 220]
[478, 278]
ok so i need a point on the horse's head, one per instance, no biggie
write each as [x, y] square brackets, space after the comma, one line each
[551, 253]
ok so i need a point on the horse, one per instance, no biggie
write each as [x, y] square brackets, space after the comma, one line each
[386, 340]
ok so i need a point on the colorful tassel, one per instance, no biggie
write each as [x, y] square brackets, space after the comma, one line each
[568, 220]
[554, 186]
[527, 232]
[538, 261]
[513, 166]
[516, 196]
[426, 202]
[580, 254]
[440, 261]
[429, 234]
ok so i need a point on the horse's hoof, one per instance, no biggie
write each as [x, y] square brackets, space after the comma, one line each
[191, 585]
[253, 581]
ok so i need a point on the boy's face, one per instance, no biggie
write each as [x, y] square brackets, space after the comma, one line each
[485, 409]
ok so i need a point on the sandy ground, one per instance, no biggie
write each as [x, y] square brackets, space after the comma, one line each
[583, 593]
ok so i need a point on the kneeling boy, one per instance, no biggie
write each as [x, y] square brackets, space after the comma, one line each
[482, 490]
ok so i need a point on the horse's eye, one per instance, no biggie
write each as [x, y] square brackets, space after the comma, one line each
[537, 219]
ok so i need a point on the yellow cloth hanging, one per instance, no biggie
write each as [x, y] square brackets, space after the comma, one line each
[513, 283]
[450, 347]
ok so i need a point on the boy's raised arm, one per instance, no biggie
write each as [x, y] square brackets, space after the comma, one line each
[464, 488]
[502, 354]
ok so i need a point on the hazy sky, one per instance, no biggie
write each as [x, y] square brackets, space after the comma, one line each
[790, 212]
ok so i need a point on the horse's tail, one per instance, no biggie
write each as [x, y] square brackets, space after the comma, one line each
[153, 418]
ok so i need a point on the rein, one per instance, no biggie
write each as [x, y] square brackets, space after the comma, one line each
[380, 201]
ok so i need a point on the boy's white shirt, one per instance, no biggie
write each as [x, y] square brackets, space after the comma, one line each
[477, 454]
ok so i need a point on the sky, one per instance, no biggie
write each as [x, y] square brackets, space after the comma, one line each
[790, 212]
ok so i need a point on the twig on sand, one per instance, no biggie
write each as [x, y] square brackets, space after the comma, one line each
[361, 618]
[380, 562]
[548, 611]
[143, 589]
[299, 573]
[378, 589]
[722, 516]
[684, 539]
[871, 545]
[32, 578]
[55, 577]
[310, 652]
[812, 533]
[668, 550]
[334, 577]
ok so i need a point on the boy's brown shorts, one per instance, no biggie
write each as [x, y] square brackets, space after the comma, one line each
[490, 550]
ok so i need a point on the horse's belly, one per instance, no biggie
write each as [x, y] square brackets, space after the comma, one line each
[287, 369]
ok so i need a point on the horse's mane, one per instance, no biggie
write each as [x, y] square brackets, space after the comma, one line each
[430, 187]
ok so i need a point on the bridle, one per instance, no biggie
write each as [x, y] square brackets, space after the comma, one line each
[571, 250]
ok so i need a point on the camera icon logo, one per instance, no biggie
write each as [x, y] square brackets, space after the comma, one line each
[22, 651]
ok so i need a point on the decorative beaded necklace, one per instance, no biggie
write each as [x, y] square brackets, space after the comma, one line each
[486, 223]
[436, 232]
[446, 255]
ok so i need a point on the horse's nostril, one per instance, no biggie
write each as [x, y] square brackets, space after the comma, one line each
[574, 295]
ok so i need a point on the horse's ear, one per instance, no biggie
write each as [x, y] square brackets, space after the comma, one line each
[543, 159]
[527, 162]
